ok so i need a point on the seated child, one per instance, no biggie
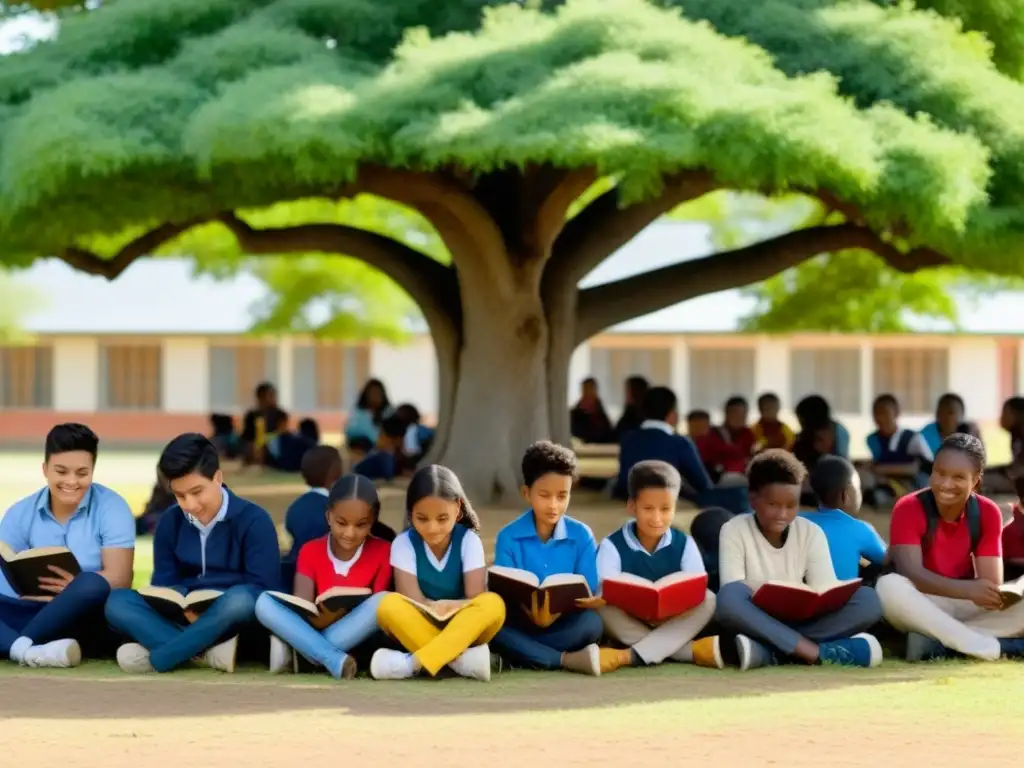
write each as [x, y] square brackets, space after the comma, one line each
[418, 437]
[657, 440]
[382, 463]
[706, 530]
[949, 419]
[306, 517]
[820, 435]
[769, 431]
[773, 544]
[729, 447]
[92, 521]
[1013, 538]
[544, 541]
[650, 547]
[897, 455]
[439, 560]
[1000, 479]
[349, 556]
[946, 546]
[836, 484]
[211, 539]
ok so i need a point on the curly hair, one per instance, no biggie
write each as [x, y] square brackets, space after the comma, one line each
[437, 481]
[547, 458]
[969, 446]
[774, 467]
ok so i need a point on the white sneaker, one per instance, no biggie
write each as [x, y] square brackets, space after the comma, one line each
[282, 659]
[134, 659]
[392, 665]
[60, 654]
[222, 657]
[474, 663]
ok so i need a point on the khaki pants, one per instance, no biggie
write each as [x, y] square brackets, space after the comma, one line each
[655, 644]
[957, 624]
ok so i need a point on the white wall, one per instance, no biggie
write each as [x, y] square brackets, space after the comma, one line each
[185, 373]
[974, 375]
[409, 371]
[76, 373]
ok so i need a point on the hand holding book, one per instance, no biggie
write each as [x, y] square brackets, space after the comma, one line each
[57, 583]
[541, 615]
[590, 603]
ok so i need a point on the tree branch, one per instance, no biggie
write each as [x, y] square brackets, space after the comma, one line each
[92, 263]
[549, 219]
[607, 305]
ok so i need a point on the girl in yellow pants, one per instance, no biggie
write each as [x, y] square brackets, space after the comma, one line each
[438, 562]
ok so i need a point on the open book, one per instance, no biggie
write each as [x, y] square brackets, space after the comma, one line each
[439, 614]
[517, 587]
[24, 569]
[172, 605]
[1012, 593]
[788, 601]
[328, 607]
[653, 601]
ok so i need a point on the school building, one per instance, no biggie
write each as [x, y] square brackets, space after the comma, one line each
[154, 352]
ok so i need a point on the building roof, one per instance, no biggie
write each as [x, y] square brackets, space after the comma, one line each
[163, 296]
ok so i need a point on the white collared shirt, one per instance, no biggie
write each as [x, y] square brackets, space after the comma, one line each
[403, 555]
[609, 562]
[655, 424]
[321, 491]
[205, 529]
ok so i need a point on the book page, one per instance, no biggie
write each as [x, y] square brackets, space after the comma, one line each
[515, 574]
[631, 578]
[557, 579]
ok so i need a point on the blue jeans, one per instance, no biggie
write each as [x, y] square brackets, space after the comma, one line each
[170, 645]
[69, 614]
[329, 648]
[526, 645]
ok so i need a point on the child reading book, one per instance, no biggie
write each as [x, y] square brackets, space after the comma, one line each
[49, 620]
[946, 546]
[774, 545]
[836, 484]
[648, 546]
[210, 540]
[349, 556]
[544, 541]
[438, 563]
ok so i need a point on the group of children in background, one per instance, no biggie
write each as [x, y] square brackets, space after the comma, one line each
[429, 610]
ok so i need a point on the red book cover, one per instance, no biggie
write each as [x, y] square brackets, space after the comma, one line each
[654, 601]
[798, 602]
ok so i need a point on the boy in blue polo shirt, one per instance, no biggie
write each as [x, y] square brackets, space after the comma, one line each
[92, 521]
[211, 539]
[544, 541]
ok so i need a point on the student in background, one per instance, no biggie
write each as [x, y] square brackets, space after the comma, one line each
[657, 440]
[770, 431]
[372, 407]
[820, 435]
[836, 484]
[588, 420]
[949, 419]
[897, 455]
[384, 461]
[648, 546]
[632, 411]
[706, 530]
[545, 541]
[439, 558]
[349, 556]
[728, 448]
[698, 427]
[1013, 538]
[774, 544]
[1001, 480]
[418, 437]
[306, 517]
[211, 539]
[946, 544]
[224, 436]
[261, 424]
[93, 522]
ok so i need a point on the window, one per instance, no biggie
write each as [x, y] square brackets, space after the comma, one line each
[611, 366]
[235, 372]
[832, 373]
[917, 377]
[718, 374]
[130, 376]
[329, 375]
[26, 377]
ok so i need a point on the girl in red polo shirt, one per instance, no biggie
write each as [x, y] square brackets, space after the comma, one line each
[347, 557]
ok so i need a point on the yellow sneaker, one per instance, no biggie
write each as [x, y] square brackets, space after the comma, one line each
[707, 652]
[610, 659]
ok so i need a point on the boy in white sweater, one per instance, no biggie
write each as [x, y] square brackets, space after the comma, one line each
[773, 544]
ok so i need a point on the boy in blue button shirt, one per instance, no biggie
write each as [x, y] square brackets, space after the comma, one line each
[93, 522]
[544, 541]
[211, 539]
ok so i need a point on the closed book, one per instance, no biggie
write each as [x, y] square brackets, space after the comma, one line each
[24, 569]
[328, 607]
[793, 602]
[175, 606]
[655, 601]
[517, 588]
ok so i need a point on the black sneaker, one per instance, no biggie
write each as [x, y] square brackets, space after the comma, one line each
[923, 648]
[1012, 647]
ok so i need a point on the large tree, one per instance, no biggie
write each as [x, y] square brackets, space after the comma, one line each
[146, 118]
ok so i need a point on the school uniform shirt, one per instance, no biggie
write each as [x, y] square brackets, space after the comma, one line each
[776, 434]
[728, 451]
[239, 546]
[904, 446]
[849, 539]
[103, 520]
[369, 567]
[1013, 536]
[640, 562]
[744, 554]
[933, 437]
[442, 577]
[305, 520]
[377, 465]
[656, 440]
[948, 552]
[571, 548]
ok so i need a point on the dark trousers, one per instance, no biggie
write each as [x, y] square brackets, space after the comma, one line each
[736, 612]
[523, 644]
[77, 613]
[171, 645]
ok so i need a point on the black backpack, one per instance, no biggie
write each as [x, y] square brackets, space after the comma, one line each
[931, 514]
